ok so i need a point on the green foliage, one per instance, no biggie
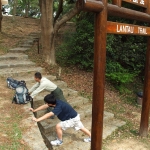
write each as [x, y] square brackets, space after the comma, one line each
[118, 76]
[77, 48]
[129, 51]
[125, 53]
[33, 11]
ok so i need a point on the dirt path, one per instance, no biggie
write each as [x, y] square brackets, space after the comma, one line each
[128, 144]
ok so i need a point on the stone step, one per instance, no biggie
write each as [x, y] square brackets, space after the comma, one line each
[73, 99]
[14, 56]
[19, 71]
[34, 35]
[76, 103]
[18, 49]
[48, 126]
[69, 92]
[16, 63]
[27, 41]
[74, 139]
[25, 45]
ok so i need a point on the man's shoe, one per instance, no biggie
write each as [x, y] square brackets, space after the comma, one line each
[56, 142]
[87, 140]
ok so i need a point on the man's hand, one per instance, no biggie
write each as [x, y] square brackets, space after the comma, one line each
[31, 109]
[34, 119]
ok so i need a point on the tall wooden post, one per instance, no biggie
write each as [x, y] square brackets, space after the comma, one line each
[144, 124]
[99, 77]
[117, 2]
[0, 15]
[146, 96]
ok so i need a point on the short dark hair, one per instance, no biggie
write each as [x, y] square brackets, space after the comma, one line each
[50, 99]
[38, 75]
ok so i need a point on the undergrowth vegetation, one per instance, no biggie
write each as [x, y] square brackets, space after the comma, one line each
[125, 54]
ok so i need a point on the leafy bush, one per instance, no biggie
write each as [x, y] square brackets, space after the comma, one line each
[77, 48]
[125, 53]
[117, 74]
[129, 51]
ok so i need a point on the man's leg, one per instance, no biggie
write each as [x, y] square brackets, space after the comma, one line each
[86, 131]
[59, 136]
[59, 131]
[58, 93]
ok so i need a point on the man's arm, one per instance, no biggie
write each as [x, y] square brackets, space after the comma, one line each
[38, 89]
[48, 115]
[34, 87]
[39, 108]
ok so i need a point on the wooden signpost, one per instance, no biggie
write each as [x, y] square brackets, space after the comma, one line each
[142, 3]
[121, 28]
[102, 28]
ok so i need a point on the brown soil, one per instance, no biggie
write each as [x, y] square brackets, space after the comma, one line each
[126, 138]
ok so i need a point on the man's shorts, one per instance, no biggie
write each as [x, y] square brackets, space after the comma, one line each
[74, 122]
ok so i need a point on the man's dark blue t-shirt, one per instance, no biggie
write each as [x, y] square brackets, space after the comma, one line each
[64, 111]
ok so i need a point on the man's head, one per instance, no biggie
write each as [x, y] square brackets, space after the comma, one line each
[37, 76]
[50, 100]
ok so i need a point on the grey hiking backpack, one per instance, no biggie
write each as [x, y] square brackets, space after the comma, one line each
[21, 95]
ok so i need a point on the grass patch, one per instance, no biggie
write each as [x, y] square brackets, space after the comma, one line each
[11, 127]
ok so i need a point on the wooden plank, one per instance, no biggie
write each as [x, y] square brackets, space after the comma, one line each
[142, 3]
[146, 96]
[122, 28]
[99, 78]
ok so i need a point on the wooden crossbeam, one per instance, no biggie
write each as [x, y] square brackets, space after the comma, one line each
[113, 10]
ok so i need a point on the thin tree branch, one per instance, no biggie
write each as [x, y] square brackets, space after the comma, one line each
[66, 17]
[59, 10]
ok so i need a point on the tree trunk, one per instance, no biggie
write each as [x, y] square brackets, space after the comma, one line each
[47, 31]
[27, 8]
[14, 8]
[0, 16]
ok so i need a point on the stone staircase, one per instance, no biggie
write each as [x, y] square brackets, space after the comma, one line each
[17, 65]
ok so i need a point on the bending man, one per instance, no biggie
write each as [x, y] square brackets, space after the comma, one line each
[45, 84]
[68, 116]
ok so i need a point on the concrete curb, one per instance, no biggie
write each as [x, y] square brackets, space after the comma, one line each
[32, 136]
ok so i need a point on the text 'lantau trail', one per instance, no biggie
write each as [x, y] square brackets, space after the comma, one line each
[130, 29]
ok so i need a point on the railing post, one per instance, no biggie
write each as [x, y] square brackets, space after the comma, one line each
[99, 77]
[146, 96]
